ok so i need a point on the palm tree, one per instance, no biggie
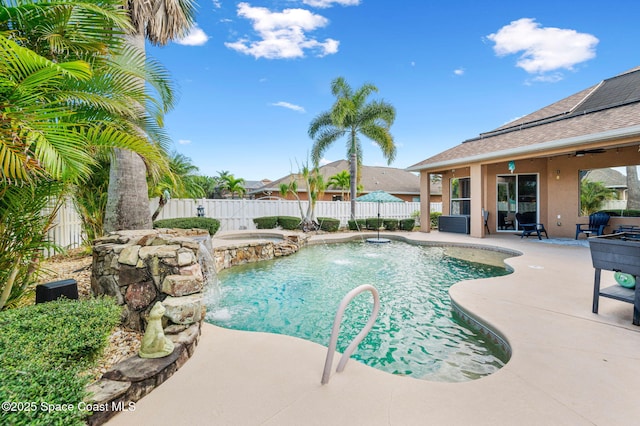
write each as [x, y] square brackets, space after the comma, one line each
[592, 194]
[65, 98]
[352, 115]
[340, 180]
[235, 186]
[180, 181]
[158, 21]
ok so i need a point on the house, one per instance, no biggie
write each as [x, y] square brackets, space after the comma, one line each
[398, 182]
[533, 165]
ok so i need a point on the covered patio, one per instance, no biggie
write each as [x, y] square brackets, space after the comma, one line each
[535, 165]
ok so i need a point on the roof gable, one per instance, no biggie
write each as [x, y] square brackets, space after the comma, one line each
[390, 179]
[613, 105]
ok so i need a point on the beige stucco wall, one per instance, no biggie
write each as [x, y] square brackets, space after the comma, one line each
[558, 186]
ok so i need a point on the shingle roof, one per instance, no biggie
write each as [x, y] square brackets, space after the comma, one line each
[613, 104]
[390, 179]
[609, 177]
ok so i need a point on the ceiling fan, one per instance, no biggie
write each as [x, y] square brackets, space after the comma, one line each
[584, 152]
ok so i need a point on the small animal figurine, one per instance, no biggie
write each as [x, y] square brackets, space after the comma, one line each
[154, 343]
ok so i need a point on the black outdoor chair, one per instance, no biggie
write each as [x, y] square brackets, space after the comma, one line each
[597, 222]
[485, 217]
[529, 226]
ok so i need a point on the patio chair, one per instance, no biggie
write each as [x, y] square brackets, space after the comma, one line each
[485, 217]
[597, 222]
[531, 227]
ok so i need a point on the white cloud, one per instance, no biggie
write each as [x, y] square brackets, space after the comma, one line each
[324, 161]
[289, 106]
[459, 71]
[217, 4]
[329, 3]
[196, 37]
[184, 142]
[543, 49]
[283, 34]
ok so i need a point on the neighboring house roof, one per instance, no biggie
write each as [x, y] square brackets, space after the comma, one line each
[392, 180]
[606, 111]
[609, 177]
[250, 185]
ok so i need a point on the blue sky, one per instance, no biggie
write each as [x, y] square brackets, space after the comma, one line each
[252, 75]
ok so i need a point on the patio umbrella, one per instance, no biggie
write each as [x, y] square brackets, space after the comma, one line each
[379, 197]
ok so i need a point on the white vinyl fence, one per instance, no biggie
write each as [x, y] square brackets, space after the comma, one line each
[238, 214]
[66, 230]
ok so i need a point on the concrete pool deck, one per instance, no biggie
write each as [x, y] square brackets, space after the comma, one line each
[568, 365]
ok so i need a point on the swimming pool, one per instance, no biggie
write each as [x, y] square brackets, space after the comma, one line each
[416, 333]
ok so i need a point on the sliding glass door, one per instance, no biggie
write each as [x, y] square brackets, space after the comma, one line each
[516, 194]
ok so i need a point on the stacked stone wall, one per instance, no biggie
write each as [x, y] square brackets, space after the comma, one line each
[238, 253]
[139, 268]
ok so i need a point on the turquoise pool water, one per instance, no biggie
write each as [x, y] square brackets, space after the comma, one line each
[416, 333]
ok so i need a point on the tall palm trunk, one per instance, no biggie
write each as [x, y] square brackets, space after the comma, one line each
[128, 198]
[633, 188]
[128, 194]
[353, 182]
[353, 170]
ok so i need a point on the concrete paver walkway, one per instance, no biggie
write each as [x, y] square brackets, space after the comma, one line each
[568, 367]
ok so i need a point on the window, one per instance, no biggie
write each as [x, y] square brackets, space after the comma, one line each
[461, 196]
[611, 188]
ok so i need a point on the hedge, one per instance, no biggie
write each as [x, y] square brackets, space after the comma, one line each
[208, 223]
[434, 219]
[373, 222]
[329, 224]
[357, 225]
[289, 223]
[45, 350]
[407, 224]
[390, 224]
[266, 222]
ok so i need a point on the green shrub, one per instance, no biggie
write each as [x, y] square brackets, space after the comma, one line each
[407, 224]
[44, 351]
[390, 224]
[289, 223]
[266, 222]
[434, 219]
[208, 223]
[357, 225]
[374, 222]
[329, 224]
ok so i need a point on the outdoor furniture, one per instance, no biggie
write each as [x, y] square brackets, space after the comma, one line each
[459, 223]
[627, 228]
[597, 222]
[619, 253]
[485, 217]
[530, 228]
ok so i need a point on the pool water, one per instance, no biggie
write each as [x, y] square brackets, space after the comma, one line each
[416, 333]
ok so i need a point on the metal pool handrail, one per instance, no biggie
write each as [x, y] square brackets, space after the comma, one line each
[336, 329]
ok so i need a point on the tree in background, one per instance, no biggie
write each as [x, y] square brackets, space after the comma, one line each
[179, 182]
[351, 115]
[340, 180]
[235, 186]
[314, 181]
[592, 194]
[158, 21]
[208, 184]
